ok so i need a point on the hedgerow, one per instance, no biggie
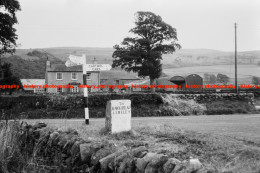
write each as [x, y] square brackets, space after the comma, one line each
[143, 104]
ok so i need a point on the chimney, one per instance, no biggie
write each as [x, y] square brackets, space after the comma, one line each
[48, 64]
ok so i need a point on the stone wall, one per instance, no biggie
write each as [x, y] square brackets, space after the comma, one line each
[65, 151]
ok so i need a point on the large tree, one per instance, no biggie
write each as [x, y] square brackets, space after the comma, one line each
[9, 78]
[8, 37]
[143, 52]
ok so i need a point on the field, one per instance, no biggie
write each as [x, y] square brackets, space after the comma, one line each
[222, 143]
[245, 72]
[181, 62]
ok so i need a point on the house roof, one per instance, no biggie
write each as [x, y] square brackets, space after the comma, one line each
[64, 68]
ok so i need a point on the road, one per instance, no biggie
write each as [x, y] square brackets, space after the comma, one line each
[241, 126]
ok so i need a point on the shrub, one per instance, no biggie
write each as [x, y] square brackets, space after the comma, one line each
[182, 106]
[11, 160]
[256, 80]
[229, 107]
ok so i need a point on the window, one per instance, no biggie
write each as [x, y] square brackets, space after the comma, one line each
[59, 90]
[88, 76]
[102, 81]
[59, 76]
[117, 82]
[74, 76]
[75, 89]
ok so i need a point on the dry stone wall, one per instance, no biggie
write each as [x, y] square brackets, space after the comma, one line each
[65, 151]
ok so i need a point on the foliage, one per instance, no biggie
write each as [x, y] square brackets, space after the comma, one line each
[222, 78]
[11, 158]
[29, 69]
[229, 107]
[256, 80]
[35, 53]
[143, 53]
[9, 79]
[218, 152]
[143, 105]
[211, 78]
[182, 106]
[8, 37]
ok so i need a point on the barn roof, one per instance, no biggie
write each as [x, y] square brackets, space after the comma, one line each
[181, 78]
[177, 79]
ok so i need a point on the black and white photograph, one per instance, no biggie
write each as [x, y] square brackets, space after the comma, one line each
[129, 86]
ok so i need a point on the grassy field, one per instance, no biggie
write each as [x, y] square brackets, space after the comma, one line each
[245, 72]
[222, 143]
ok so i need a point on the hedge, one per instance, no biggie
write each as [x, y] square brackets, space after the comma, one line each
[143, 104]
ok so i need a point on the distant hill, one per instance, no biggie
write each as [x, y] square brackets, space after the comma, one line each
[29, 66]
[30, 63]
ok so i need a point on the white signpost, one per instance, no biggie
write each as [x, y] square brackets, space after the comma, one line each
[75, 60]
[96, 67]
[118, 116]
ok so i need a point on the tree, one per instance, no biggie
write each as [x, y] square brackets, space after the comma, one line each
[222, 78]
[211, 78]
[9, 78]
[143, 53]
[8, 19]
[256, 80]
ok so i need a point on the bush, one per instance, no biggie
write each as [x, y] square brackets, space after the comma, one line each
[143, 105]
[229, 107]
[11, 159]
[72, 106]
[182, 106]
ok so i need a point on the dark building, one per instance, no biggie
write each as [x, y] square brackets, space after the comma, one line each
[188, 82]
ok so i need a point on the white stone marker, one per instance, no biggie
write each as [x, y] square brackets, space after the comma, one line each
[118, 116]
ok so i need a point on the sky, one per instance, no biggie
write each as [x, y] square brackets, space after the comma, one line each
[200, 24]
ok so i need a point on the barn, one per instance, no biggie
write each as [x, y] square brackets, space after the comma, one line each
[190, 80]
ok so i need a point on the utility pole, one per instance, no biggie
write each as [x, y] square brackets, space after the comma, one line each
[236, 58]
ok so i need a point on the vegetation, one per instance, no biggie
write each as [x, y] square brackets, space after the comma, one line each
[8, 37]
[9, 79]
[178, 107]
[218, 152]
[211, 78]
[143, 53]
[222, 78]
[143, 105]
[11, 159]
[29, 69]
[228, 107]
[256, 80]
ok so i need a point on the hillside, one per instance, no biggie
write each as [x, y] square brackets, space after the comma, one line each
[181, 58]
[29, 66]
[32, 65]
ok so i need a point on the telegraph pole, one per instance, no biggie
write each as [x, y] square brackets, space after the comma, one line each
[236, 58]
